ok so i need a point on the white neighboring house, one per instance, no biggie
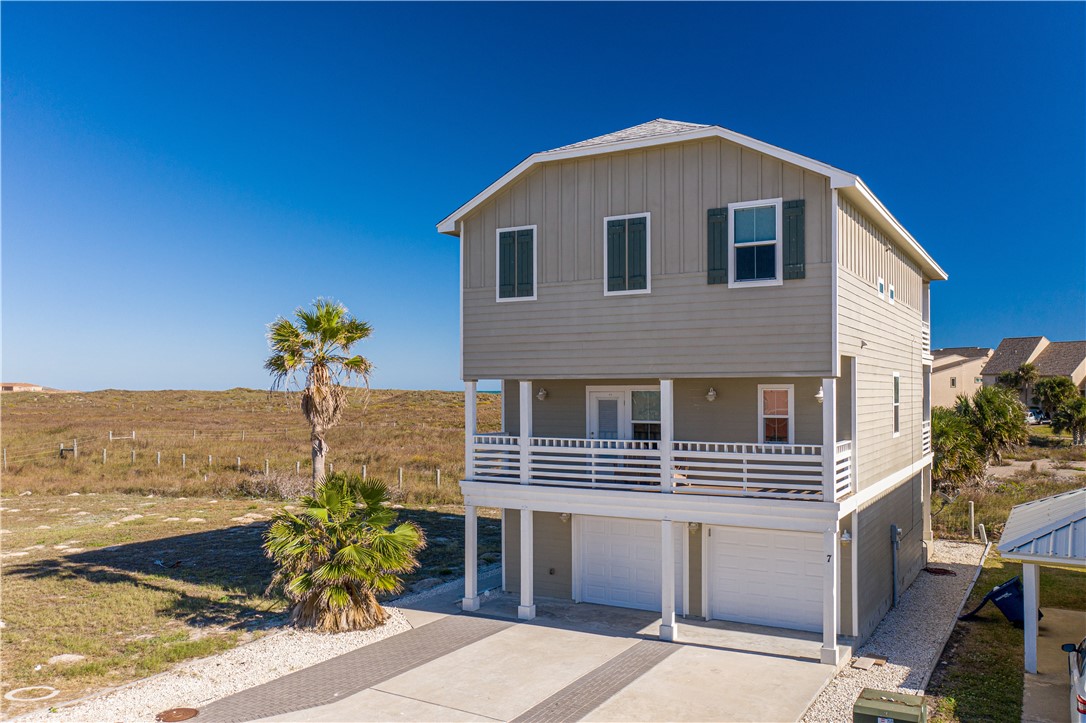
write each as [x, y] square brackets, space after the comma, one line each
[714, 357]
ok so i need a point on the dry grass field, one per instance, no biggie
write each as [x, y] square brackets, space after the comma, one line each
[138, 566]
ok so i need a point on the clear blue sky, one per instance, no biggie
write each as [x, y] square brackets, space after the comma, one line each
[176, 175]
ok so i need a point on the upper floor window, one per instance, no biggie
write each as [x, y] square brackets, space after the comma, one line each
[516, 263]
[775, 417]
[627, 255]
[756, 235]
[897, 404]
[892, 297]
[882, 288]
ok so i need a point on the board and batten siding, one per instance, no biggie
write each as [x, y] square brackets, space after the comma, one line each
[684, 327]
[882, 338]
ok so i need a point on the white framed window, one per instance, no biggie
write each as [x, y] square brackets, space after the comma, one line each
[881, 285]
[627, 254]
[755, 243]
[776, 414]
[897, 403]
[891, 297]
[515, 251]
[623, 412]
[954, 382]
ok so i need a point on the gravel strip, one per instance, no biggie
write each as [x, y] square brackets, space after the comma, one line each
[911, 636]
[196, 683]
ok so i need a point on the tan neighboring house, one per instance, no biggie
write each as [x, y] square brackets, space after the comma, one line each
[20, 387]
[714, 357]
[957, 370]
[1049, 358]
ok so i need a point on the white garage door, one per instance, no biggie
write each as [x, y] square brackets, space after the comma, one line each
[766, 577]
[620, 562]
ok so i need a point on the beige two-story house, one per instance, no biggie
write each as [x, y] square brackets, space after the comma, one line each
[714, 358]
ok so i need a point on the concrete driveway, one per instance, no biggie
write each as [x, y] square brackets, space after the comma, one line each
[574, 662]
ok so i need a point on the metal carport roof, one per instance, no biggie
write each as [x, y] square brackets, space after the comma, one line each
[1049, 531]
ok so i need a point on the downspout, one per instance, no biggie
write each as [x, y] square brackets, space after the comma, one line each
[895, 540]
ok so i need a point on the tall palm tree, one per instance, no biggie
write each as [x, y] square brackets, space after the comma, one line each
[320, 345]
[339, 552]
[998, 417]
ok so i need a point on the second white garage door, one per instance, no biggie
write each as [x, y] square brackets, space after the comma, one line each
[766, 577]
[620, 562]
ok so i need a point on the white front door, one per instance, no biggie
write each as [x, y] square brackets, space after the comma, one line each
[765, 577]
[608, 417]
[620, 562]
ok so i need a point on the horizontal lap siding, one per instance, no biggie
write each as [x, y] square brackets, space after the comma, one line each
[884, 338]
[553, 548]
[684, 327]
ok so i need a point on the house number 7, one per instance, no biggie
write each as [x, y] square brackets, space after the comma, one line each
[828, 557]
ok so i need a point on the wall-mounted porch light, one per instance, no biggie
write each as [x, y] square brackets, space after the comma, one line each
[710, 396]
[541, 394]
[846, 537]
[564, 517]
[819, 396]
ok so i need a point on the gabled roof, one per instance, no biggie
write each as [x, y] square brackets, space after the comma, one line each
[1012, 353]
[1060, 358]
[1052, 530]
[662, 131]
[969, 352]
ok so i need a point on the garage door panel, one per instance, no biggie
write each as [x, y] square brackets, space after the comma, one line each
[766, 577]
[620, 563]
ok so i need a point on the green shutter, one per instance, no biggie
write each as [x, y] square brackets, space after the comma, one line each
[637, 253]
[507, 265]
[794, 252]
[525, 259]
[616, 255]
[718, 246]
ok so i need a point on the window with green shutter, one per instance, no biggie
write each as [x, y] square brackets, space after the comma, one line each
[516, 263]
[756, 243]
[627, 255]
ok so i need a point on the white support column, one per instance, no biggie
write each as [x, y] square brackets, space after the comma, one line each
[526, 611]
[831, 614]
[525, 431]
[469, 429]
[667, 431]
[1031, 589]
[471, 559]
[829, 437]
[667, 581]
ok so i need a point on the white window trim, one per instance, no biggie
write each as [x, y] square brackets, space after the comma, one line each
[880, 287]
[778, 204]
[896, 404]
[648, 254]
[791, 389]
[627, 415]
[498, 262]
[892, 296]
[954, 382]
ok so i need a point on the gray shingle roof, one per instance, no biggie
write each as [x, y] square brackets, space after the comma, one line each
[969, 352]
[1060, 358]
[658, 127]
[1051, 529]
[1012, 353]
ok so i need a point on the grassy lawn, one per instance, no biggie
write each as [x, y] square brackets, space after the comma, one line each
[979, 677]
[137, 583]
[992, 503]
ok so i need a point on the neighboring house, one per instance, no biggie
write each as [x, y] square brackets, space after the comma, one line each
[714, 359]
[19, 387]
[957, 370]
[1049, 358]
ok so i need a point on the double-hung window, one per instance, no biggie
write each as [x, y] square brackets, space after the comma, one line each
[516, 263]
[775, 414]
[897, 404]
[627, 255]
[756, 243]
[645, 414]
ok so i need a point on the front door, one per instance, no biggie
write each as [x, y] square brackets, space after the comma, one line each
[607, 415]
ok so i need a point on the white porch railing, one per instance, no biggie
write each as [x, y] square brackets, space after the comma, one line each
[925, 436]
[925, 336]
[786, 471]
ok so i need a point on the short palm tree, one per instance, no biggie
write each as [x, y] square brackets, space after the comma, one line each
[1071, 417]
[998, 418]
[320, 346]
[956, 459]
[1052, 392]
[342, 549]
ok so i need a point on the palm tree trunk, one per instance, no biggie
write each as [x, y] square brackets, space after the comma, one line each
[319, 449]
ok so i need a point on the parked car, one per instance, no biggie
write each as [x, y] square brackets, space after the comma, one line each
[1039, 415]
[1076, 664]
[1031, 418]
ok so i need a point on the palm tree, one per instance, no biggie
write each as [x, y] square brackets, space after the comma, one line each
[998, 417]
[1071, 417]
[956, 453]
[1052, 392]
[1021, 379]
[339, 552]
[320, 344]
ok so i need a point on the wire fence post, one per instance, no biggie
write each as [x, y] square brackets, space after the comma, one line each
[209, 461]
[133, 435]
[111, 435]
[972, 526]
[401, 480]
[133, 456]
[158, 459]
[194, 434]
[439, 478]
[364, 475]
[239, 464]
[331, 468]
[265, 468]
[297, 468]
[75, 448]
[243, 435]
[103, 456]
[183, 460]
